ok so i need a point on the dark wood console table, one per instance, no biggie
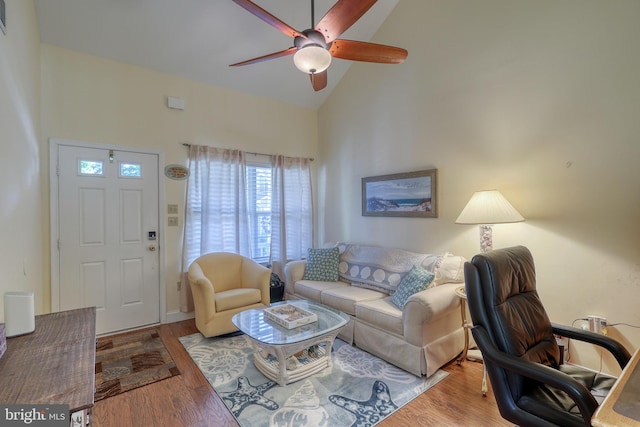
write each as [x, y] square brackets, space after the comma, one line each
[53, 365]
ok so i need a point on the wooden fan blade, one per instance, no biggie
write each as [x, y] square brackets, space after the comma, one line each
[274, 55]
[341, 16]
[319, 80]
[268, 18]
[367, 52]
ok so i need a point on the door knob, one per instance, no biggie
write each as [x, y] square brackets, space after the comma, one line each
[152, 248]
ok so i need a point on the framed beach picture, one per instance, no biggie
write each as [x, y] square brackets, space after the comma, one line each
[410, 194]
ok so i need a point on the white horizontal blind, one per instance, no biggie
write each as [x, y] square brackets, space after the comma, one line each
[292, 209]
[259, 204]
[216, 209]
[263, 211]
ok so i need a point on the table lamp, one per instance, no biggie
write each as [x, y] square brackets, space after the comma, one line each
[486, 208]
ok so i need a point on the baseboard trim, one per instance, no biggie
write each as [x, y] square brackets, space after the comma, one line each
[179, 316]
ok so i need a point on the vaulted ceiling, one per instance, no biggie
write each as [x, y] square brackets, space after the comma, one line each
[198, 39]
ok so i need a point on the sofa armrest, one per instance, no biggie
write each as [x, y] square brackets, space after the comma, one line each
[293, 271]
[428, 306]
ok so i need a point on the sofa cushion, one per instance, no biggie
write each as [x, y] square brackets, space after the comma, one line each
[382, 314]
[322, 264]
[234, 298]
[345, 299]
[312, 289]
[380, 268]
[450, 270]
[417, 280]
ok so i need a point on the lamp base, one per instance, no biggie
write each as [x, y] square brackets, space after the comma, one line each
[486, 238]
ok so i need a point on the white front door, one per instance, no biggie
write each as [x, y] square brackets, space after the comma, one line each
[108, 220]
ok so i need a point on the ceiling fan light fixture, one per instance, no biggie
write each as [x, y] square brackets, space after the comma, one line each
[312, 59]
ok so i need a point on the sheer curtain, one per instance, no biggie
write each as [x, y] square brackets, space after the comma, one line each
[217, 210]
[291, 210]
[216, 218]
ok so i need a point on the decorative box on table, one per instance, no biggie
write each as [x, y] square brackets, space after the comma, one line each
[289, 315]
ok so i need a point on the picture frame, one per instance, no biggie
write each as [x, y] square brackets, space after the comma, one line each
[409, 194]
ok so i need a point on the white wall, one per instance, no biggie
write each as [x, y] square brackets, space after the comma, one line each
[539, 99]
[22, 251]
[102, 101]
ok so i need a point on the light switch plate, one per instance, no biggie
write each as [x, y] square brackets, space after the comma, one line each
[173, 221]
[172, 209]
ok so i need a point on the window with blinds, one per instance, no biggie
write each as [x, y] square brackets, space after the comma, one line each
[259, 206]
[229, 206]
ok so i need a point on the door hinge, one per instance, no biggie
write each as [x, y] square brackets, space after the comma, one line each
[58, 244]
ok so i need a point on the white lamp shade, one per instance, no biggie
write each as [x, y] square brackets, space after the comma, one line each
[312, 59]
[488, 207]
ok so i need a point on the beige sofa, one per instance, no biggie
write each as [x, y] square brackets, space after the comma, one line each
[426, 334]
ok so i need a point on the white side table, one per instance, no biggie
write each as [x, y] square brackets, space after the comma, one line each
[466, 353]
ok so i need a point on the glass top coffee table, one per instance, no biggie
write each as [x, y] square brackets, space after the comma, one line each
[288, 355]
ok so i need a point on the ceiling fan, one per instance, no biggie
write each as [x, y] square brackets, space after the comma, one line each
[314, 48]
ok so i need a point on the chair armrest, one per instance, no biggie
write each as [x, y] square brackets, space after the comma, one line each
[197, 278]
[203, 293]
[293, 271]
[618, 351]
[582, 397]
[257, 276]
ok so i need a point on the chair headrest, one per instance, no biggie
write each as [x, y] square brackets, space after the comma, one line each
[503, 297]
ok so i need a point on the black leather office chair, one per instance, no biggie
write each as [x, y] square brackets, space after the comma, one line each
[516, 338]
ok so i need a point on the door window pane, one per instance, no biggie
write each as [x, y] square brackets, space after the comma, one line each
[130, 170]
[90, 167]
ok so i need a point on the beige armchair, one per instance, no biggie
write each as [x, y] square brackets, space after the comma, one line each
[224, 284]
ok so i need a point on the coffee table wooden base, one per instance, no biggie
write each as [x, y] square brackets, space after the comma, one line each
[276, 370]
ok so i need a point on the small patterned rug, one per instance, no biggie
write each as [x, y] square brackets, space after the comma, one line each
[358, 390]
[125, 362]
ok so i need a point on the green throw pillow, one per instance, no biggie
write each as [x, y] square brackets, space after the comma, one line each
[322, 264]
[418, 279]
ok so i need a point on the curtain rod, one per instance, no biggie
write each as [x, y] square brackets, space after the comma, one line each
[311, 159]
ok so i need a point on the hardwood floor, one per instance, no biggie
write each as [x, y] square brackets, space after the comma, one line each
[188, 399]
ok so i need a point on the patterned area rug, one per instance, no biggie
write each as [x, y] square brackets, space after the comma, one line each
[130, 361]
[358, 390]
